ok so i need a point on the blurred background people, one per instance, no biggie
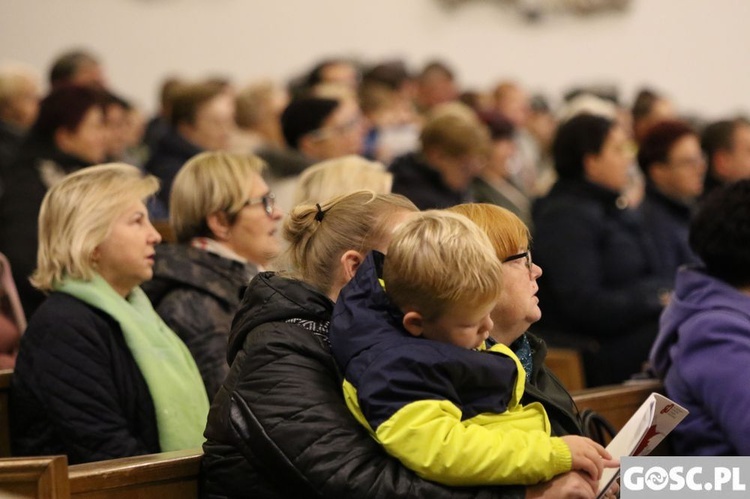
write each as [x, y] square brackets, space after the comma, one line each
[258, 109]
[68, 134]
[671, 159]
[201, 119]
[19, 106]
[77, 67]
[315, 129]
[435, 84]
[726, 144]
[225, 221]
[601, 288]
[453, 150]
[649, 108]
[494, 184]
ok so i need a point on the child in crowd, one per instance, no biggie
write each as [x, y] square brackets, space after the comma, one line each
[447, 411]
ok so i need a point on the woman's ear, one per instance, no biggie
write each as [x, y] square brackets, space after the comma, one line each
[219, 225]
[413, 323]
[350, 261]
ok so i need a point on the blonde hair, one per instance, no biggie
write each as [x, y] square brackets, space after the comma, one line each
[358, 221]
[455, 130]
[14, 78]
[343, 175]
[255, 103]
[506, 231]
[208, 183]
[438, 261]
[77, 215]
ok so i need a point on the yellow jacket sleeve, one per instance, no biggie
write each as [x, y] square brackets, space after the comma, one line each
[429, 437]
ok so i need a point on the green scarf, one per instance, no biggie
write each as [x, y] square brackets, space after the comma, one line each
[168, 367]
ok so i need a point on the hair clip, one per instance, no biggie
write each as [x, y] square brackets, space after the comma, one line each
[320, 214]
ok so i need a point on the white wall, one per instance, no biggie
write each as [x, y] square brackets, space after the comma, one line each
[695, 50]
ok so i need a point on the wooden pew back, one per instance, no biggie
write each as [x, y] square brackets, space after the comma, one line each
[34, 478]
[567, 365]
[617, 403]
[169, 475]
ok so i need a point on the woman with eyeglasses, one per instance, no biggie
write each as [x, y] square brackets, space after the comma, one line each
[225, 221]
[279, 426]
[518, 309]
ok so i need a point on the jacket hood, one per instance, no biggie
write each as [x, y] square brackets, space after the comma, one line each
[363, 315]
[178, 265]
[272, 298]
[695, 293]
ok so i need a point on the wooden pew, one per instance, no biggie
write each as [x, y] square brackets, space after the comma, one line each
[567, 365]
[34, 478]
[169, 475]
[5, 376]
[617, 403]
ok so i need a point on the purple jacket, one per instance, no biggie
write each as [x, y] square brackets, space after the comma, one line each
[703, 354]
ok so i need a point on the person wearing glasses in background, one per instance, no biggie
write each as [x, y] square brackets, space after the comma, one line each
[225, 221]
[315, 129]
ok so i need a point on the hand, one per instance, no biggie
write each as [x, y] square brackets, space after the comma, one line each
[570, 485]
[613, 492]
[589, 456]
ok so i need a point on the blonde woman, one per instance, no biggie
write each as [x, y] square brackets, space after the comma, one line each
[279, 426]
[344, 175]
[99, 375]
[225, 220]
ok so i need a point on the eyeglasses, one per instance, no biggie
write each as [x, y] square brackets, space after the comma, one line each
[525, 254]
[268, 201]
[328, 132]
[691, 162]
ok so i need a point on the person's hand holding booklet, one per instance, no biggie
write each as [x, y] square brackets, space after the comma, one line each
[653, 421]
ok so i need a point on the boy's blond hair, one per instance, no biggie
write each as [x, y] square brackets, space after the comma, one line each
[438, 261]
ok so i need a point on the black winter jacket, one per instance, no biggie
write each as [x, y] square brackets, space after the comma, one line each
[601, 275]
[668, 223]
[77, 389]
[197, 293]
[422, 184]
[279, 427]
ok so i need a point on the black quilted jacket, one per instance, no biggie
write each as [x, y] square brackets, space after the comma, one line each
[279, 428]
[197, 293]
[76, 388]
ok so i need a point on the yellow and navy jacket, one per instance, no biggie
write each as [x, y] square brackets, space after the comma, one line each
[450, 414]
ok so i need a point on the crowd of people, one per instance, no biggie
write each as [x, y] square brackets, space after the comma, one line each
[399, 303]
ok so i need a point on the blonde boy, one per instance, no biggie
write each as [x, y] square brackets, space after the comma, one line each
[448, 412]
